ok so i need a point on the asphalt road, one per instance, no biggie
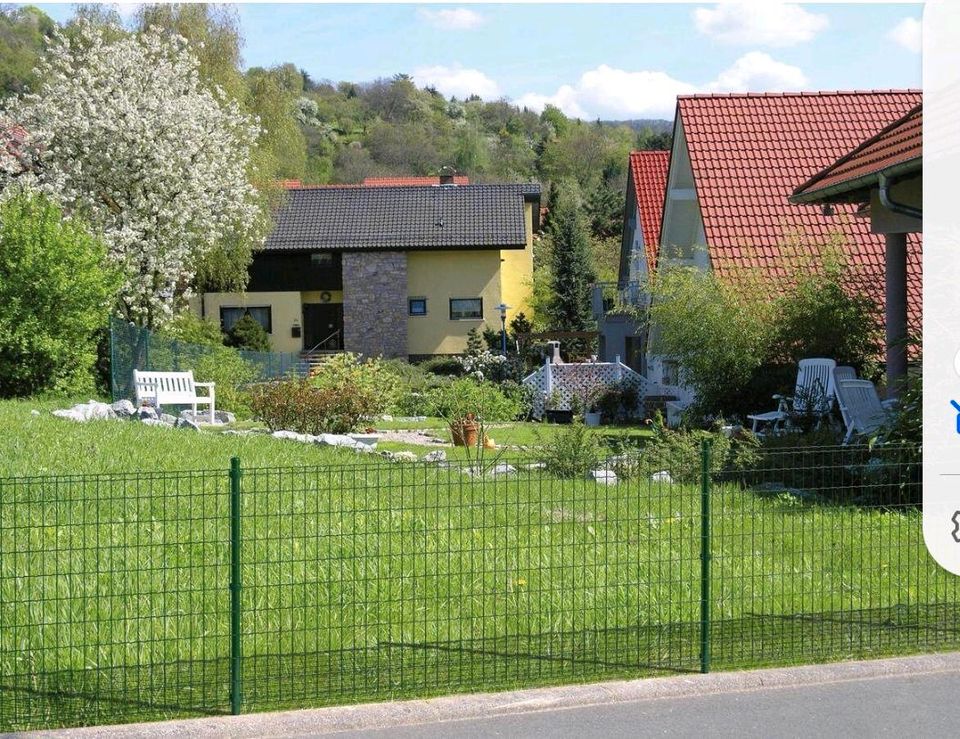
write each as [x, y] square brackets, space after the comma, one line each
[914, 706]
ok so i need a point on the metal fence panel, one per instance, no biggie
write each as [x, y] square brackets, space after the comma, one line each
[149, 595]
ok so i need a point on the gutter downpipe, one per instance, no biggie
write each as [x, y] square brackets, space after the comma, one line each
[896, 291]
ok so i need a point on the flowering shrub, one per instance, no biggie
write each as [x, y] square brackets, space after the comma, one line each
[483, 365]
[122, 130]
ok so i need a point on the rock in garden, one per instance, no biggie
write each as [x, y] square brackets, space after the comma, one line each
[123, 408]
[386, 417]
[535, 466]
[186, 423]
[219, 417]
[503, 469]
[90, 411]
[153, 422]
[294, 436]
[34, 412]
[404, 457]
[168, 419]
[603, 477]
[146, 413]
[337, 440]
[662, 476]
[436, 456]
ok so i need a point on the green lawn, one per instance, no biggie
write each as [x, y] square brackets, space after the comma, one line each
[367, 580]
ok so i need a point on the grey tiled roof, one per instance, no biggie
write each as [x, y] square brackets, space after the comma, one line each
[403, 218]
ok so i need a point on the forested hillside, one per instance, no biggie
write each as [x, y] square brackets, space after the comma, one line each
[321, 131]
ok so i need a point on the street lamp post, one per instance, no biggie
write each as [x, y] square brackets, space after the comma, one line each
[503, 308]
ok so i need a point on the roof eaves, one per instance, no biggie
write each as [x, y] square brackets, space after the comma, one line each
[850, 191]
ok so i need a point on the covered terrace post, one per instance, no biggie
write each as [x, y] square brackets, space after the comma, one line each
[896, 290]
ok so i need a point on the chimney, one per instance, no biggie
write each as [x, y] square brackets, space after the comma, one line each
[447, 175]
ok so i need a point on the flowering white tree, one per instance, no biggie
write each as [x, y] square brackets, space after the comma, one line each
[122, 131]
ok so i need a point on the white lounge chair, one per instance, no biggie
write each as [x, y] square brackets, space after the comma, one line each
[813, 396]
[840, 374]
[860, 405]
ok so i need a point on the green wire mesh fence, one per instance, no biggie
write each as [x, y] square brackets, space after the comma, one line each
[133, 347]
[152, 595]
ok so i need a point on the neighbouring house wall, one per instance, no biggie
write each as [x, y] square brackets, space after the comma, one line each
[439, 276]
[682, 230]
[285, 311]
[375, 303]
[516, 273]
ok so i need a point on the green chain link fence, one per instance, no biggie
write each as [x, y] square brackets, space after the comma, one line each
[150, 595]
[133, 347]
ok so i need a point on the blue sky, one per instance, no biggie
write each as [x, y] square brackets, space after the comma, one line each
[609, 61]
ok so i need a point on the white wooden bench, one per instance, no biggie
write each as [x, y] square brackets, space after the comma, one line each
[172, 388]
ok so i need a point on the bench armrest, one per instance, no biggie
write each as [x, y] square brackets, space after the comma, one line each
[204, 384]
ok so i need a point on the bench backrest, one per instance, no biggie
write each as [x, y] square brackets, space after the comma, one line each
[165, 387]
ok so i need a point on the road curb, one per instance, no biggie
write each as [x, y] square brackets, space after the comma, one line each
[462, 707]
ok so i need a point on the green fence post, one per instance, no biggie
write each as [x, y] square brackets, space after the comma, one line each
[235, 675]
[705, 556]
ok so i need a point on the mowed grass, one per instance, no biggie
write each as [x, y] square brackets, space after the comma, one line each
[367, 580]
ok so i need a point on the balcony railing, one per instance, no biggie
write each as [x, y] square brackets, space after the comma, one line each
[608, 295]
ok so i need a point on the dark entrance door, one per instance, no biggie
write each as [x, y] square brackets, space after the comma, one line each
[322, 326]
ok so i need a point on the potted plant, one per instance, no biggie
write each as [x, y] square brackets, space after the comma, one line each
[465, 431]
[588, 403]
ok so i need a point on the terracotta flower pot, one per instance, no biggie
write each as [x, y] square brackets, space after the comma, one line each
[465, 432]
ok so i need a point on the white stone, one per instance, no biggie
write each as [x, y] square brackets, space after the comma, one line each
[153, 422]
[369, 440]
[186, 423]
[219, 417]
[90, 411]
[294, 436]
[34, 412]
[536, 466]
[436, 456]
[603, 477]
[662, 476]
[503, 469]
[404, 457]
[123, 408]
[337, 440]
[386, 417]
[168, 419]
[147, 412]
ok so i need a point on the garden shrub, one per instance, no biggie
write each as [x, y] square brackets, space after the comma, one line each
[445, 366]
[618, 403]
[573, 451]
[233, 375]
[247, 333]
[356, 389]
[293, 405]
[414, 385]
[56, 296]
[485, 400]
[190, 328]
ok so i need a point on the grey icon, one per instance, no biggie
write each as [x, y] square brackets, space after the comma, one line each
[956, 527]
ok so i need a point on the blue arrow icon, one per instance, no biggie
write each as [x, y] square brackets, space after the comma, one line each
[956, 405]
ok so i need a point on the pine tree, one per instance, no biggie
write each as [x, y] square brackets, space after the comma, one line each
[247, 333]
[571, 265]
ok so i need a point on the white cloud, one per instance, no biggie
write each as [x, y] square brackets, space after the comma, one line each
[453, 19]
[908, 33]
[610, 93]
[758, 72]
[761, 22]
[456, 81]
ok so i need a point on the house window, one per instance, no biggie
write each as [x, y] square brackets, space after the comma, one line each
[466, 308]
[417, 306]
[322, 259]
[261, 314]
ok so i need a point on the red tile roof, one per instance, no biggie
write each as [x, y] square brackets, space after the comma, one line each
[648, 170]
[376, 182]
[748, 153]
[404, 181]
[899, 144]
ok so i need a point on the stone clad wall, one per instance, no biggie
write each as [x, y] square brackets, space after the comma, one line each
[375, 303]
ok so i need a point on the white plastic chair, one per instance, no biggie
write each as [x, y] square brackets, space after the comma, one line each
[860, 404]
[840, 374]
[813, 396]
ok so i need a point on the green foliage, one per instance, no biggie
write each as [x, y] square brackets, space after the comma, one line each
[335, 400]
[414, 385]
[484, 400]
[821, 317]
[604, 209]
[573, 451]
[56, 296]
[247, 333]
[190, 328]
[718, 333]
[444, 366]
[475, 342]
[571, 264]
[618, 402]
[24, 34]
[233, 375]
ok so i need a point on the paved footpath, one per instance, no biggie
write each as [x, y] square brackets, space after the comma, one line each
[912, 696]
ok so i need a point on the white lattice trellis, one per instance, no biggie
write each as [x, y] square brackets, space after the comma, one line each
[569, 381]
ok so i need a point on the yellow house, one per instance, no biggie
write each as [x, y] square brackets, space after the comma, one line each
[398, 271]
